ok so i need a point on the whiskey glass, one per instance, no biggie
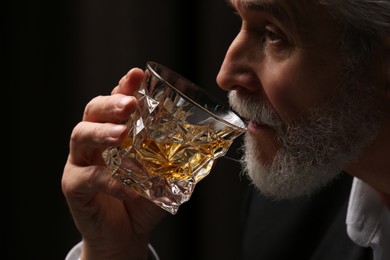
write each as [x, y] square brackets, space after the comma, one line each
[176, 134]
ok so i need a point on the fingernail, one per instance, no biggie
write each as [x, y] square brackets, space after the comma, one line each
[117, 130]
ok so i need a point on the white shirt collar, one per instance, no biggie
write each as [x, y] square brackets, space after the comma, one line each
[368, 220]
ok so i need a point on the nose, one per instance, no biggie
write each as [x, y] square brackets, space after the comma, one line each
[239, 70]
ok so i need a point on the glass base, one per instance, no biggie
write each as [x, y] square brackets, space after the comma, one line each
[167, 195]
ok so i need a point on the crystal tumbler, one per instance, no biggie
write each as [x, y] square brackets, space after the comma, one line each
[176, 133]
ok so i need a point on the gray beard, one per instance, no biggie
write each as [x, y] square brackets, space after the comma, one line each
[313, 148]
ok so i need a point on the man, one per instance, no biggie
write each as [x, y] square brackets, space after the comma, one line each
[312, 77]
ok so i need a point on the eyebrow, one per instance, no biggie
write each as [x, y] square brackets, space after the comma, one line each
[262, 6]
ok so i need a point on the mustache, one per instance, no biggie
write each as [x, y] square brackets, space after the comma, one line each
[254, 108]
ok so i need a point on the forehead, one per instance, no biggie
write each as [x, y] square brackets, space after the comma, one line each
[304, 15]
[293, 9]
[261, 4]
[272, 7]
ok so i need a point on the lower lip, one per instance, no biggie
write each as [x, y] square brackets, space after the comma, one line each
[256, 129]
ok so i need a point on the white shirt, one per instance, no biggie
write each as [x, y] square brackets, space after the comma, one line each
[368, 220]
[75, 252]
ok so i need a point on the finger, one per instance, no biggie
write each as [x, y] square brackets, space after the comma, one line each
[86, 171]
[130, 82]
[80, 185]
[88, 141]
[115, 108]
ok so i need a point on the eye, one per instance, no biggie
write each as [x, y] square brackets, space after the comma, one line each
[272, 35]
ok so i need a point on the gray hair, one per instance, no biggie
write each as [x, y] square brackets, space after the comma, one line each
[364, 23]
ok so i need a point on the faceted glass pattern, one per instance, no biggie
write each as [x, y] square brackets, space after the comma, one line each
[176, 134]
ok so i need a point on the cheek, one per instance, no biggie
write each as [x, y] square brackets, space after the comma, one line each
[293, 88]
[280, 85]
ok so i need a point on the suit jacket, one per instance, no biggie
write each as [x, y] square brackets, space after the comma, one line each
[310, 228]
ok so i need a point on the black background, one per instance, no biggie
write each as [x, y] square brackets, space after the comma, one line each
[60, 54]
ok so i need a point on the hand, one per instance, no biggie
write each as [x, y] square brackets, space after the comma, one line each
[114, 221]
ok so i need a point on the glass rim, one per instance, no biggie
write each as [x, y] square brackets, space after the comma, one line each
[149, 65]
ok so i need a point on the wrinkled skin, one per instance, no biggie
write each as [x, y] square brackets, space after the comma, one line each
[287, 55]
[114, 221]
[268, 59]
